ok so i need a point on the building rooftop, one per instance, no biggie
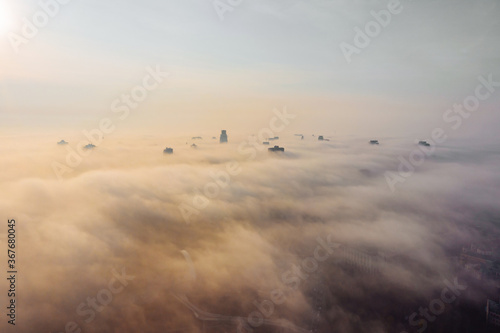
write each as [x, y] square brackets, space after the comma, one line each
[493, 312]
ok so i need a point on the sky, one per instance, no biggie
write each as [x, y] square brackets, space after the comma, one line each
[215, 231]
[232, 72]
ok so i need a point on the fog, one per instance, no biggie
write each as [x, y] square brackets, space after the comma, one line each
[333, 235]
[127, 207]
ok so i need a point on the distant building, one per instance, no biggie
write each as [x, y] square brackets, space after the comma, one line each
[265, 143]
[168, 150]
[480, 262]
[320, 138]
[361, 260]
[275, 138]
[276, 149]
[374, 142]
[196, 138]
[194, 145]
[493, 312]
[89, 146]
[424, 143]
[62, 142]
[493, 270]
[476, 255]
[223, 137]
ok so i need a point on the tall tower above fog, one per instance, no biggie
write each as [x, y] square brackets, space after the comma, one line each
[223, 137]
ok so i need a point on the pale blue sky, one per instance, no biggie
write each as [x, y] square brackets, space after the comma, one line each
[231, 73]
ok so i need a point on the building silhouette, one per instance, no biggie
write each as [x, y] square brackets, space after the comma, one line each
[223, 136]
[424, 143]
[493, 313]
[276, 149]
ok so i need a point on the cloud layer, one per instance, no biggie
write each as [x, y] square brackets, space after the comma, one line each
[119, 209]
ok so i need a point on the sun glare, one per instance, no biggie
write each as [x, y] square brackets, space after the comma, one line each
[6, 19]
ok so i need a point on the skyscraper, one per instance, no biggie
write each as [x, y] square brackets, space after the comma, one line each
[223, 137]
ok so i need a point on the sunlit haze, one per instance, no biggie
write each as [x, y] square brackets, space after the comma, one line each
[250, 166]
